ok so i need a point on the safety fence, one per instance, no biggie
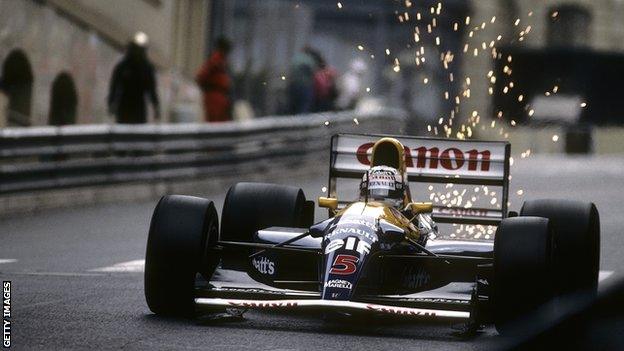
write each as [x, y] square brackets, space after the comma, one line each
[40, 158]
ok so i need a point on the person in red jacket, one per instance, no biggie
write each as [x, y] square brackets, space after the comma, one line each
[214, 81]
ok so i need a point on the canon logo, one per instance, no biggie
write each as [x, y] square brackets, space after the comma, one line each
[451, 158]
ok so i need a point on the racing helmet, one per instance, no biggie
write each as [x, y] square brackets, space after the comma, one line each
[383, 184]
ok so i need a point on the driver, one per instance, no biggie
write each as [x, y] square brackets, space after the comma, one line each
[386, 185]
[383, 184]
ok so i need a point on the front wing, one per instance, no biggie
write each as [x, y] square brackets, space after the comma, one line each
[455, 309]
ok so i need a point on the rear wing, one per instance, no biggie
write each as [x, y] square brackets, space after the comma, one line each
[479, 168]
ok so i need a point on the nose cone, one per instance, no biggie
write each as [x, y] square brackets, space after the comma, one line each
[346, 249]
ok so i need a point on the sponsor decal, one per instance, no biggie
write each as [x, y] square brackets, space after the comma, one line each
[351, 243]
[347, 230]
[438, 300]
[6, 313]
[260, 304]
[400, 310]
[344, 265]
[263, 265]
[250, 290]
[415, 277]
[358, 221]
[451, 159]
[463, 212]
[339, 284]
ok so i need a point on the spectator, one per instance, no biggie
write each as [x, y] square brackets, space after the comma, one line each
[350, 85]
[133, 78]
[214, 81]
[325, 90]
[301, 84]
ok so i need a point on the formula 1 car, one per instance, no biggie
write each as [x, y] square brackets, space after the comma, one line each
[376, 251]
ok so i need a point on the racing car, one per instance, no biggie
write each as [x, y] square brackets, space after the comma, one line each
[379, 249]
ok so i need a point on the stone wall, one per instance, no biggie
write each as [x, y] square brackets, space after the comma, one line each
[55, 42]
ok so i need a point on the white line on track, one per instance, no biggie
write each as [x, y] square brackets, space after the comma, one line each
[7, 260]
[134, 266]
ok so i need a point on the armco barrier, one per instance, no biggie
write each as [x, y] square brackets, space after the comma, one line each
[44, 158]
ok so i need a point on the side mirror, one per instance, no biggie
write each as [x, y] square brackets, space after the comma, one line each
[328, 202]
[421, 207]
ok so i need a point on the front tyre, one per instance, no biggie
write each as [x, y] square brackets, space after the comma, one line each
[522, 270]
[181, 230]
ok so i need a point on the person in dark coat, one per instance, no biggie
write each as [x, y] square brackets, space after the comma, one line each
[132, 82]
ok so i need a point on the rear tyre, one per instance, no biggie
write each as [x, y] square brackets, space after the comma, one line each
[181, 230]
[577, 242]
[522, 269]
[249, 207]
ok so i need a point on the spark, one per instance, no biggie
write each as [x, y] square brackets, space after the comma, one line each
[326, 123]
[360, 47]
[339, 4]
[555, 138]
[583, 104]
[520, 192]
[355, 120]
[324, 189]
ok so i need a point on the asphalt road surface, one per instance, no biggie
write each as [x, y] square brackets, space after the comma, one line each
[77, 278]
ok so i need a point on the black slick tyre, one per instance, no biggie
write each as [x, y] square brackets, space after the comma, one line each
[522, 270]
[181, 230]
[249, 207]
[576, 228]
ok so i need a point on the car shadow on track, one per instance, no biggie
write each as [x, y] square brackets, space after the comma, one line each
[315, 323]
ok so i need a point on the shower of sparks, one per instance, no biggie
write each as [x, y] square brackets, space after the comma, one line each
[480, 43]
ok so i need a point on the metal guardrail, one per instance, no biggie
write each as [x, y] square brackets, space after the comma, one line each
[39, 158]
